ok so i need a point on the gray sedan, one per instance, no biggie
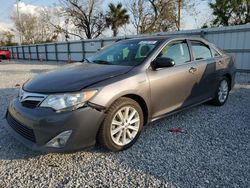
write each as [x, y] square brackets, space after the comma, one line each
[110, 96]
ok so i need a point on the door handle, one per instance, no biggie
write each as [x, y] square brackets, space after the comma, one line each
[192, 69]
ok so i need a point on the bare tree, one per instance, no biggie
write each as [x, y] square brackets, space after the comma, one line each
[46, 31]
[25, 24]
[139, 15]
[62, 25]
[35, 28]
[191, 8]
[153, 15]
[86, 16]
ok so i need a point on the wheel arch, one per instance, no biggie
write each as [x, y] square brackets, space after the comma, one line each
[142, 104]
[229, 77]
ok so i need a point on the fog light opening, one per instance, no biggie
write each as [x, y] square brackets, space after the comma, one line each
[60, 140]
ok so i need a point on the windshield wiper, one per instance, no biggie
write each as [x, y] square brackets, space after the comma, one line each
[101, 62]
[87, 60]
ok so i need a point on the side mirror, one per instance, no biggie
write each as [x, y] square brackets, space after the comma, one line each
[161, 62]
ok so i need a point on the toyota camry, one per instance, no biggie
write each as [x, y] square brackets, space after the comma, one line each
[109, 97]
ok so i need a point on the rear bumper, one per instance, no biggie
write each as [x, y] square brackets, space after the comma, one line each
[36, 127]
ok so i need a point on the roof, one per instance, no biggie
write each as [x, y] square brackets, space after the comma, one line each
[166, 37]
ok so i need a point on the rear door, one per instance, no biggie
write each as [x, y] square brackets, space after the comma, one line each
[221, 61]
[171, 87]
[206, 70]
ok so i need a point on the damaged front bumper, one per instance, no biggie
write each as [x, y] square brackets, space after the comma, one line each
[45, 130]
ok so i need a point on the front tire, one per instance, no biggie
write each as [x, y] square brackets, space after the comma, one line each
[122, 125]
[222, 92]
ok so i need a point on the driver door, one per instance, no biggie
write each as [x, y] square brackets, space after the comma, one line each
[171, 87]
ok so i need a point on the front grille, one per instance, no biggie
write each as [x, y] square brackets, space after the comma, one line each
[30, 104]
[21, 129]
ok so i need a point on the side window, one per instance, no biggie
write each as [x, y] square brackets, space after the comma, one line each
[200, 51]
[214, 52]
[178, 51]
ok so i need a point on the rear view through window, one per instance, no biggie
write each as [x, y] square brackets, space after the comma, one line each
[201, 51]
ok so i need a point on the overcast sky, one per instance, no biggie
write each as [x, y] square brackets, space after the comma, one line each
[7, 6]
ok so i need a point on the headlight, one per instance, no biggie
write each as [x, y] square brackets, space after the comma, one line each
[69, 101]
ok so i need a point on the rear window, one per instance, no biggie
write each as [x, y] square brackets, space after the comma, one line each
[200, 50]
[215, 53]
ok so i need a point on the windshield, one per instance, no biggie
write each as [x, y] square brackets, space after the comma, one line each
[126, 53]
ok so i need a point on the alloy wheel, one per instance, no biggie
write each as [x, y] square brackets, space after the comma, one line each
[223, 91]
[125, 125]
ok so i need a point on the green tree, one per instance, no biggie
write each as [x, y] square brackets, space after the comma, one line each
[231, 12]
[117, 17]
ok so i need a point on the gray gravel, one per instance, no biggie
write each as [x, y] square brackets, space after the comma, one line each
[214, 151]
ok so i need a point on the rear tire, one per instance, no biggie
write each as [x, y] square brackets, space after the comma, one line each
[122, 125]
[222, 92]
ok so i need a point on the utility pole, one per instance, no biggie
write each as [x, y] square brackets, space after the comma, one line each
[18, 16]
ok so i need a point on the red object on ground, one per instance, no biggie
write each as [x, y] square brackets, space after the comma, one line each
[176, 130]
[5, 54]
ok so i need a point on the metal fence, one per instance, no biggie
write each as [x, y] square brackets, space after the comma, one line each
[233, 39]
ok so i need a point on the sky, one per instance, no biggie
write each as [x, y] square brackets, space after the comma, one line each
[8, 6]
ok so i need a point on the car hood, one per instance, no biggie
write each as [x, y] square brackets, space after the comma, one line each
[73, 77]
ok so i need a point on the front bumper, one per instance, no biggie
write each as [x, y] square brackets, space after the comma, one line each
[36, 127]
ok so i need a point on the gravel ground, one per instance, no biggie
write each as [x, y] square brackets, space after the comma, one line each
[214, 151]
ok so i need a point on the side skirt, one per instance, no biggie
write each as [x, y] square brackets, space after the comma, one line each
[178, 110]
